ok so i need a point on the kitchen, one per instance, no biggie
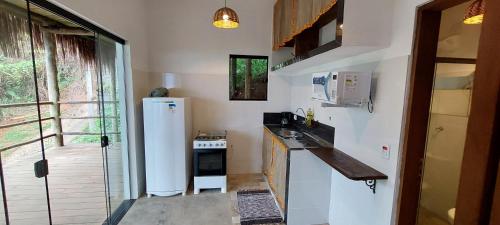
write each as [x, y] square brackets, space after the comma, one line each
[273, 122]
[199, 53]
[201, 66]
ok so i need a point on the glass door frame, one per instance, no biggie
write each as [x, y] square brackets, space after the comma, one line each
[112, 218]
[481, 158]
[114, 213]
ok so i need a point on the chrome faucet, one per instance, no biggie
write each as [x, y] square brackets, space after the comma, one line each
[301, 109]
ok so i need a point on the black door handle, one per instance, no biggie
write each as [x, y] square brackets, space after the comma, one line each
[41, 168]
[104, 141]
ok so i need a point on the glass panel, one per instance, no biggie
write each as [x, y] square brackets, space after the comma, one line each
[25, 194]
[111, 70]
[3, 219]
[65, 59]
[210, 163]
[449, 114]
[248, 77]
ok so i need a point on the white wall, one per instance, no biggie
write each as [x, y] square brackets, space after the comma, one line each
[361, 134]
[127, 19]
[182, 40]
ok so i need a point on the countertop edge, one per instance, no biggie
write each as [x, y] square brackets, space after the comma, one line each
[335, 153]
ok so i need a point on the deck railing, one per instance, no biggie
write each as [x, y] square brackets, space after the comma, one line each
[53, 119]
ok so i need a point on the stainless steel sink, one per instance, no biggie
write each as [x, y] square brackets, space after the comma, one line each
[287, 133]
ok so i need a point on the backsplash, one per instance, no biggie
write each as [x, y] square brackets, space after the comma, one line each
[321, 130]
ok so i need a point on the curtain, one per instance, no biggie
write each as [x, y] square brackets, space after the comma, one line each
[291, 17]
[284, 21]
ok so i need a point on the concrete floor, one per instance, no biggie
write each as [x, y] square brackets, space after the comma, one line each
[204, 209]
[207, 208]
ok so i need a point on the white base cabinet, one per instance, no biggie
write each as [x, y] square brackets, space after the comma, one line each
[308, 189]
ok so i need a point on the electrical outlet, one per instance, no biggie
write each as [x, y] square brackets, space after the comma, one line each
[386, 151]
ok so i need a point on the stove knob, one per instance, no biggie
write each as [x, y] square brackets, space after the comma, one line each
[217, 144]
[204, 145]
[210, 145]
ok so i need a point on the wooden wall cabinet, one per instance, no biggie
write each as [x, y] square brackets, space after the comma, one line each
[360, 26]
[294, 17]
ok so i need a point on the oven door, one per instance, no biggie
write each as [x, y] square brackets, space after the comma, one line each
[209, 162]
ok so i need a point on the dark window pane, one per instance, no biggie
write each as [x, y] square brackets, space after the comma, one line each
[248, 77]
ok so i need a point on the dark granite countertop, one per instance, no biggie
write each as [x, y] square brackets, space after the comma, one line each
[310, 140]
[301, 142]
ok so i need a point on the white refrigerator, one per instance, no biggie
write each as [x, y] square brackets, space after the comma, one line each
[167, 138]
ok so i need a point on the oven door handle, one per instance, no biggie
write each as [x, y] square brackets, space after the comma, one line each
[209, 150]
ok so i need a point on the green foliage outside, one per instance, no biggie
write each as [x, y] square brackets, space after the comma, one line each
[16, 81]
[259, 70]
[17, 84]
[90, 138]
[256, 88]
[96, 128]
[22, 133]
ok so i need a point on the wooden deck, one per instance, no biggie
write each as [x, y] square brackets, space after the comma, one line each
[76, 187]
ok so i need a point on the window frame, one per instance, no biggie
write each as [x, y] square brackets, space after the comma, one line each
[237, 56]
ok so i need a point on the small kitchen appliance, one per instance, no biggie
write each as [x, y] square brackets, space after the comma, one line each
[342, 88]
[210, 161]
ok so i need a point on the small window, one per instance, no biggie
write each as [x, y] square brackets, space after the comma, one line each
[248, 77]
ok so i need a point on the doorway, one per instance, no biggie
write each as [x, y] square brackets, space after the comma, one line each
[62, 114]
[448, 117]
[450, 162]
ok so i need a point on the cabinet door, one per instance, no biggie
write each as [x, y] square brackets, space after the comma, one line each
[267, 147]
[279, 175]
[272, 167]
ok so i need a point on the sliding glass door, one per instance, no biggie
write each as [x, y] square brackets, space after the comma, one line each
[63, 139]
[111, 71]
[23, 121]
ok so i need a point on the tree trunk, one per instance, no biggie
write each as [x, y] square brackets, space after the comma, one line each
[248, 79]
[52, 85]
[90, 95]
[232, 78]
[114, 105]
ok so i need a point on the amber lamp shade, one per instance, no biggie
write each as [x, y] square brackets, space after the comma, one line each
[475, 12]
[226, 18]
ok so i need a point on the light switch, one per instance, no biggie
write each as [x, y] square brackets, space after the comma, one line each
[386, 151]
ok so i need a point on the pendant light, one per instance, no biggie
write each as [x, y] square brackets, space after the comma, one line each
[226, 18]
[475, 12]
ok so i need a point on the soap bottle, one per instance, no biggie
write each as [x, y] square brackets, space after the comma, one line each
[309, 117]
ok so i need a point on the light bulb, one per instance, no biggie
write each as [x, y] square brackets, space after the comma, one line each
[225, 17]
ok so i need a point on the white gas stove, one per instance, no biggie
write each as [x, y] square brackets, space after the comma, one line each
[210, 161]
[210, 140]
